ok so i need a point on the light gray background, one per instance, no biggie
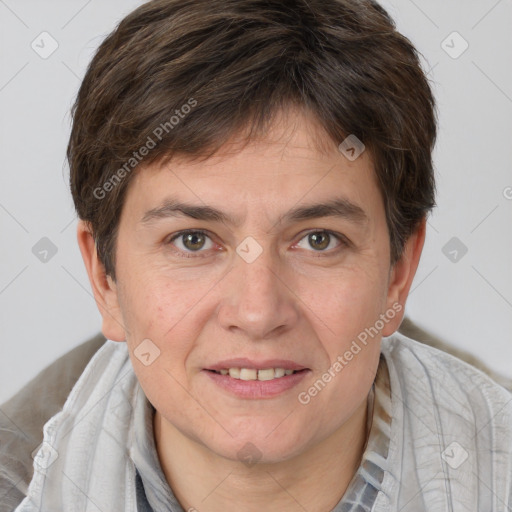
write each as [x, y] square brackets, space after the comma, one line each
[47, 307]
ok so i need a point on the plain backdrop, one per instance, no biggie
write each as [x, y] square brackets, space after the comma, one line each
[463, 288]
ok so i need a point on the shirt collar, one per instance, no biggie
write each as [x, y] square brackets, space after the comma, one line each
[145, 457]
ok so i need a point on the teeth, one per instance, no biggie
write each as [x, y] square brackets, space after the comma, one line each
[253, 374]
[234, 372]
[248, 374]
[266, 374]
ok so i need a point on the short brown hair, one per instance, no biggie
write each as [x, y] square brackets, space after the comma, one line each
[235, 64]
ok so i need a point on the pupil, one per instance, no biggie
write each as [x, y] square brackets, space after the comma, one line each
[194, 241]
[319, 240]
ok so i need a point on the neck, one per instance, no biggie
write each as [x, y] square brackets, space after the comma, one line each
[211, 483]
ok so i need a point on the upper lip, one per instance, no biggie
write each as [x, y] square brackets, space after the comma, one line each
[243, 362]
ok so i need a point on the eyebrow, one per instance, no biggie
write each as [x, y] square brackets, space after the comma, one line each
[339, 207]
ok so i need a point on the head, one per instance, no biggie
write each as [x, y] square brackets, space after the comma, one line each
[227, 120]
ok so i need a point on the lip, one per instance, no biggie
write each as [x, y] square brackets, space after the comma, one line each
[256, 389]
[244, 362]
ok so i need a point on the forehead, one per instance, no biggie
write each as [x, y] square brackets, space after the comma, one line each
[293, 163]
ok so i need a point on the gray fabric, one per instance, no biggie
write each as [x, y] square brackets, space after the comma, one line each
[411, 330]
[157, 494]
[142, 501]
[366, 484]
[22, 418]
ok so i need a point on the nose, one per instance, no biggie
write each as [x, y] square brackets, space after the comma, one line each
[257, 301]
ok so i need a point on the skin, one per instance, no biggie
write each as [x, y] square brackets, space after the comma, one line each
[294, 301]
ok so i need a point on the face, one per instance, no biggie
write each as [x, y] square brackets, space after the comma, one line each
[232, 264]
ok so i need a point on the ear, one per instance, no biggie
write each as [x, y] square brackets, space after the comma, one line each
[103, 286]
[401, 277]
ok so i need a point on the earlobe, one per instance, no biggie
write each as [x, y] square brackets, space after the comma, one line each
[104, 287]
[401, 277]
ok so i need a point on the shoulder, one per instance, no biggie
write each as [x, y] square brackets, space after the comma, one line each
[451, 431]
[441, 388]
[23, 416]
[412, 355]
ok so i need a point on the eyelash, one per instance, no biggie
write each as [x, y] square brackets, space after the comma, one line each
[343, 241]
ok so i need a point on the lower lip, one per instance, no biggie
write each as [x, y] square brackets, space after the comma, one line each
[257, 388]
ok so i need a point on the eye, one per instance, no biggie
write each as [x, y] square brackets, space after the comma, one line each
[191, 241]
[322, 240]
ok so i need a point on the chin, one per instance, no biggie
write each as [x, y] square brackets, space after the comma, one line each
[259, 445]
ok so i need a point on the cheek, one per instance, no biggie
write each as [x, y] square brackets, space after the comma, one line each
[343, 322]
[170, 314]
[347, 303]
[157, 304]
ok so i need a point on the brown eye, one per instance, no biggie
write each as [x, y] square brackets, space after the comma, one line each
[319, 241]
[322, 241]
[191, 241]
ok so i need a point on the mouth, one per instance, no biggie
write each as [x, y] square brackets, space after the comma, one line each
[264, 374]
[249, 379]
